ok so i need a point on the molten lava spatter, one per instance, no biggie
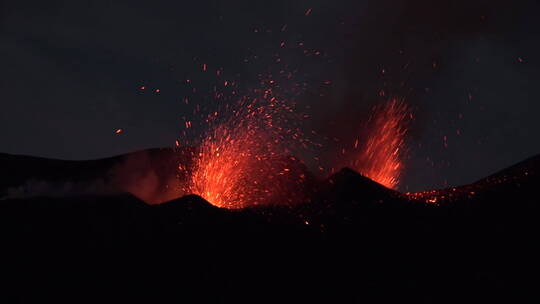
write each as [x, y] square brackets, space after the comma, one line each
[381, 155]
[244, 157]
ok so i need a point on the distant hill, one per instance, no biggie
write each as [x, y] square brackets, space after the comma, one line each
[518, 184]
[148, 174]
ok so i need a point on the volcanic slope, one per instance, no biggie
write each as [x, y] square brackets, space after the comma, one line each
[353, 241]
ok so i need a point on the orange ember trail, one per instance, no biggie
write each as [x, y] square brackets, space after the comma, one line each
[229, 162]
[381, 156]
[243, 158]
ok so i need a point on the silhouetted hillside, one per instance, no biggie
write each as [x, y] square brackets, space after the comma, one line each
[147, 174]
[354, 241]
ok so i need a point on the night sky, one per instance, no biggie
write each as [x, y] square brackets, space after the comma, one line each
[71, 73]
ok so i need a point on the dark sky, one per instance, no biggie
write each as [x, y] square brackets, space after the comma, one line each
[71, 72]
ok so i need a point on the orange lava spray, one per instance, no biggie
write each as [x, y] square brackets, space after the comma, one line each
[243, 159]
[381, 155]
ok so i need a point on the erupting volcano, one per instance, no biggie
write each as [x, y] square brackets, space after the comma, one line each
[381, 155]
[269, 151]
[244, 158]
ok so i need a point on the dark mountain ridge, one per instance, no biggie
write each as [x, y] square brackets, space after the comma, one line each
[353, 241]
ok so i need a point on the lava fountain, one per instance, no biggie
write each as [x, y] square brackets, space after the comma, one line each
[243, 159]
[381, 155]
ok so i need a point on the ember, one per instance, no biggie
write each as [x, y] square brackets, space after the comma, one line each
[244, 156]
[381, 155]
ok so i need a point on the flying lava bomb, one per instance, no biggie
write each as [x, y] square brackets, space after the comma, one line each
[277, 152]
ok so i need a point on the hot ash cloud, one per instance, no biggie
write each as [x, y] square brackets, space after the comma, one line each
[149, 175]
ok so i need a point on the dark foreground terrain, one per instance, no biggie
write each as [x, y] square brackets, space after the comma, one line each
[355, 242]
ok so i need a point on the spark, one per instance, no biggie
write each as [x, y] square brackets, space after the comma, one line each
[381, 156]
[243, 158]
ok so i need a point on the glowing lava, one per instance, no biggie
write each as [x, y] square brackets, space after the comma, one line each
[381, 155]
[243, 158]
